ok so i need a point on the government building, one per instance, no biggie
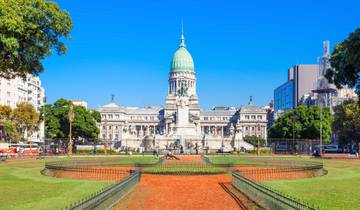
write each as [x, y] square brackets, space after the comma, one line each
[181, 123]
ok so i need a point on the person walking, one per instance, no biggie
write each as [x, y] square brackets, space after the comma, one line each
[155, 153]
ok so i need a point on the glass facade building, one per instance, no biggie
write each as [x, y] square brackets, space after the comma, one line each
[284, 97]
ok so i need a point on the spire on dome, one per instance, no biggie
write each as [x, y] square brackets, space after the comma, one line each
[182, 60]
[182, 43]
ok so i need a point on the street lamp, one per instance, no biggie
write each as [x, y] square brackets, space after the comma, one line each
[321, 128]
[106, 135]
[294, 118]
[237, 130]
[71, 119]
[258, 139]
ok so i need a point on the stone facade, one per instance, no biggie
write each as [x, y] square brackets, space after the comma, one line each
[181, 122]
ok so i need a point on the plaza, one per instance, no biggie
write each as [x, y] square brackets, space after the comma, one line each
[214, 105]
[155, 191]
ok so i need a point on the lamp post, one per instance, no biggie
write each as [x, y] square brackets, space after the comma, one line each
[258, 139]
[236, 130]
[44, 116]
[321, 128]
[71, 119]
[294, 118]
[106, 136]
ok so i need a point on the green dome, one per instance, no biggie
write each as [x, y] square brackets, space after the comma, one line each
[182, 60]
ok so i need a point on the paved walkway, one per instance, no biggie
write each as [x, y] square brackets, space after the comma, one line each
[183, 192]
[179, 192]
[185, 160]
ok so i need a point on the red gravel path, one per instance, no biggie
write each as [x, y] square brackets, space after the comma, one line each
[179, 192]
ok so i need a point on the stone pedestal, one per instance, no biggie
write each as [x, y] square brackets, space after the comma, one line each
[183, 127]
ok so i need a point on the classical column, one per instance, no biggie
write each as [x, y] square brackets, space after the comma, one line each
[121, 132]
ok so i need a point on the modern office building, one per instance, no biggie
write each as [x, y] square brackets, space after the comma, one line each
[304, 77]
[284, 96]
[301, 80]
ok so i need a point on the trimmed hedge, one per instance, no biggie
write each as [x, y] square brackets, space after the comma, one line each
[184, 170]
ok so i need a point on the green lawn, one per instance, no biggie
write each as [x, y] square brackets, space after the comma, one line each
[259, 161]
[23, 187]
[339, 189]
[108, 161]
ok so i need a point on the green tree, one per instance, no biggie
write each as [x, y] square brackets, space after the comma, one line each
[84, 125]
[52, 123]
[304, 123]
[96, 115]
[26, 119]
[5, 113]
[57, 121]
[255, 140]
[30, 30]
[345, 63]
[347, 122]
[8, 127]
[12, 135]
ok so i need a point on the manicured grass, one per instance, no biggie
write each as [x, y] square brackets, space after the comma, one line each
[23, 187]
[259, 161]
[339, 189]
[186, 169]
[109, 161]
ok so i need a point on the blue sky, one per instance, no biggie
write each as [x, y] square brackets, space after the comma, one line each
[240, 48]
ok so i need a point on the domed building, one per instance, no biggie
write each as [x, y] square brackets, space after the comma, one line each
[181, 122]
